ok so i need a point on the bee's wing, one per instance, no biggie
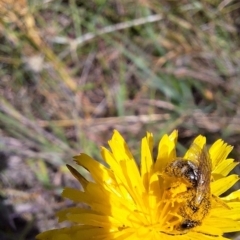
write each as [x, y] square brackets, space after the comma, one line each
[200, 156]
[204, 162]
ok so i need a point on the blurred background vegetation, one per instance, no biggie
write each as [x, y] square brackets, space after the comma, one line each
[71, 71]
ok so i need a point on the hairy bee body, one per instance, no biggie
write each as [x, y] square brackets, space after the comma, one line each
[196, 173]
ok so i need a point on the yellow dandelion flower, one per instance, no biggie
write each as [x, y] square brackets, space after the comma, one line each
[169, 198]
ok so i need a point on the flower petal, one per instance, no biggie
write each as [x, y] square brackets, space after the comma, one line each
[119, 147]
[124, 203]
[63, 214]
[100, 173]
[224, 167]
[219, 152]
[220, 186]
[94, 220]
[166, 151]
[200, 141]
[225, 224]
[234, 196]
[146, 160]
[232, 213]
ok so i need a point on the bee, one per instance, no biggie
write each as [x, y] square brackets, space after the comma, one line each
[196, 173]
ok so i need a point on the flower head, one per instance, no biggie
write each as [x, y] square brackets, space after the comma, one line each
[171, 197]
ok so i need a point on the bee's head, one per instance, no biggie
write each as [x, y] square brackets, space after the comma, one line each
[188, 224]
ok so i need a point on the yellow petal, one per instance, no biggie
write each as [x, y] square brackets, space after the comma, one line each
[200, 141]
[146, 160]
[63, 214]
[95, 220]
[53, 235]
[89, 232]
[232, 213]
[173, 136]
[123, 203]
[166, 151]
[224, 167]
[209, 229]
[128, 174]
[78, 176]
[220, 186]
[225, 224]
[219, 152]
[119, 147]
[134, 182]
[234, 196]
[100, 173]
[107, 202]
[122, 180]
[61, 234]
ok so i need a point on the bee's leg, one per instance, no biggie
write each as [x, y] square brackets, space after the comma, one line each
[217, 200]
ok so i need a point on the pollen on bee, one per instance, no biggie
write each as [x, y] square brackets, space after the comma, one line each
[196, 174]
